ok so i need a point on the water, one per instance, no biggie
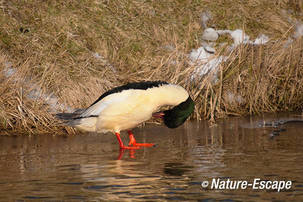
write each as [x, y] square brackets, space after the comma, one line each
[85, 167]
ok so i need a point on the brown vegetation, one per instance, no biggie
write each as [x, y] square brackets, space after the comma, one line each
[76, 50]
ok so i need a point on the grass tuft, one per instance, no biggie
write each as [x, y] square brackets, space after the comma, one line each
[70, 52]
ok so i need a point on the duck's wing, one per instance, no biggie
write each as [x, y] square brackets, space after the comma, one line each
[109, 101]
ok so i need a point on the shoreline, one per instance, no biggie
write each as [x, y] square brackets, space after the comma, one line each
[63, 56]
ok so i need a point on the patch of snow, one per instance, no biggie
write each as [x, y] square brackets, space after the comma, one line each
[200, 55]
[204, 62]
[205, 16]
[232, 98]
[211, 65]
[8, 64]
[102, 59]
[297, 34]
[226, 31]
[169, 47]
[262, 39]
[53, 102]
[299, 30]
[209, 49]
[8, 70]
[288, 42]
[97, 56]
[239, 37]
[210, 34]
[50, 99]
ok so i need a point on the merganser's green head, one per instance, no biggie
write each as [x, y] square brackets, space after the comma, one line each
[177, 115]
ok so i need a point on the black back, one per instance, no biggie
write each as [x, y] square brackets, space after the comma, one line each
[137, 85]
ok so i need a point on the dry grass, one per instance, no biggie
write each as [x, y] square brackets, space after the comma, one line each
[52, 45]
[256, 79]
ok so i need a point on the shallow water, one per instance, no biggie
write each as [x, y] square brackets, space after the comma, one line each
[85, 167]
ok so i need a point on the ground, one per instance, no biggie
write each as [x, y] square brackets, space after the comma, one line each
[61, 55]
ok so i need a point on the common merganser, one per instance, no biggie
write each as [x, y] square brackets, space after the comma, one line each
[125, 107]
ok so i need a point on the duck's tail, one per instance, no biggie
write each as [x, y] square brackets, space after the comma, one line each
[76, 120]
[66, 117]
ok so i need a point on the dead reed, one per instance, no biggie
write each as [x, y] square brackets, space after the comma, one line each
[56, 55]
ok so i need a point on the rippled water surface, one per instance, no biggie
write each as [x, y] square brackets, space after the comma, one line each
[85, 167]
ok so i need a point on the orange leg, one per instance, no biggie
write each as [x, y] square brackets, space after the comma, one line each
[122, 145]
[132, 141]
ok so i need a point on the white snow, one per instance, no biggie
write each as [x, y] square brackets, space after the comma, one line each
[232, 98]
[204, 62]
[36, 91]
[210, 34]
[200, 55]
[205, 16]
[102, 59]
[204, 68]
[209, 49]
[97, 55]
[299, 30]
[297, 34]
[49, 98]
[8, 70]
[262, 39]
[204, 57]
[239, 37]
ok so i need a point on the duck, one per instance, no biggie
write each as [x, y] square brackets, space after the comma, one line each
[127, 106]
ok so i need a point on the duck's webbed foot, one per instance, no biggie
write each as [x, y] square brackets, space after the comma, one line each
[132, 141]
